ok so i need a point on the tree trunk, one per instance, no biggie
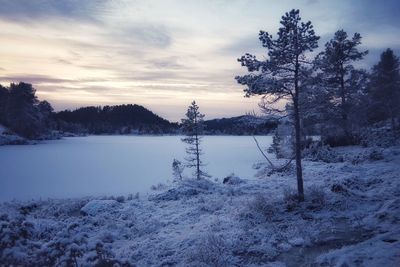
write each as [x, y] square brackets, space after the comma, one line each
[197, 157]
[343, 102]
[299, 171]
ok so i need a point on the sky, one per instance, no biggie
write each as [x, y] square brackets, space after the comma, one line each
[164, 54]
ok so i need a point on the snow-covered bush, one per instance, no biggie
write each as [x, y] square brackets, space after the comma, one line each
[373, 154]
[177, 169]
[232, 179]
[379, 135]
[290, 198]
[262, 206]
[159, 186]
[185, 189]
[96, 206]
[316, 152]
[120, 199]
[211, 251]
[264, 169]
[317, 196]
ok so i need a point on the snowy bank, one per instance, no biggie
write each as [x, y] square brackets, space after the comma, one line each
[7, 137]
[350, 218]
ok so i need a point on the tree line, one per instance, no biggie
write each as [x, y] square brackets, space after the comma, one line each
[121, 119]
[23, 113]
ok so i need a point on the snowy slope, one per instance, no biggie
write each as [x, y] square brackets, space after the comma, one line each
[350, 218]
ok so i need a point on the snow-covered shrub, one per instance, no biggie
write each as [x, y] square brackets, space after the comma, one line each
[373, 154]
[376, 155]
[232, 179]
[15, 235]
[177, 169]
[339, 189]
[120, 199]
[96, 206]
[316, 152]
[103, 256]
[290, 198]
[264, 169]
[212, 250]
[133, 197]
[158, 187]
[379, 135]
[210, 205]
[262, 205]
[317, 196]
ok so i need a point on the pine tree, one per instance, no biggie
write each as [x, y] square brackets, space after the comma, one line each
[337, 71]
[284, 74]
[384, 89]
[192, 127]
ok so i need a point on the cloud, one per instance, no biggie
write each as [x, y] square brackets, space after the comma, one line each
[24, 10]
[33, 79]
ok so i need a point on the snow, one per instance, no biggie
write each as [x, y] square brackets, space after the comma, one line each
[113, 165]
[205, 223]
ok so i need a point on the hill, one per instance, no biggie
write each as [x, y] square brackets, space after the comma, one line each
[120, 119]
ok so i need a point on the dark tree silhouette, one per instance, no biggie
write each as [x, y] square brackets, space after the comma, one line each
[338, 73]
[384, 89]
[117, 119]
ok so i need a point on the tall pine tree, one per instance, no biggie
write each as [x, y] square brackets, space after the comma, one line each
[337, 73]
[284, 73]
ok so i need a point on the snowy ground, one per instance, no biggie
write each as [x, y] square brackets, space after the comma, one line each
[350, 218]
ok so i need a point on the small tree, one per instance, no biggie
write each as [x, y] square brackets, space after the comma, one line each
[192, 127]
[177, 169]
[284, 74]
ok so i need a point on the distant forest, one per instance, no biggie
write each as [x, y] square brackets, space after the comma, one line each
[25, 115]
[120, 119]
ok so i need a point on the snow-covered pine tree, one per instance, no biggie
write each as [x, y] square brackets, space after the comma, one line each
[284, 73]
[192, 127]
[384, 89]
[337, 73]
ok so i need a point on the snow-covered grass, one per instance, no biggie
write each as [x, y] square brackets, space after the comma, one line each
[113, 165]
[350, 218]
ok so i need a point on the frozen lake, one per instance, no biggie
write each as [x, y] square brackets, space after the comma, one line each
[113, 165]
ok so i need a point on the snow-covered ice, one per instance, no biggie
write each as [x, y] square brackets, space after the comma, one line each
[113, 165]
